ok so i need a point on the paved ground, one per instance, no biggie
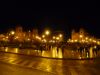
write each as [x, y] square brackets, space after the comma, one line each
[54, 52]
[7, 69]
[13, 64]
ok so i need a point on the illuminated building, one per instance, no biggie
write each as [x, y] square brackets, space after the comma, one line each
[78, 35]
[83, 37]
[2, 37]
[35, 31]
[58, 35]
[19, 34]
[34, 34]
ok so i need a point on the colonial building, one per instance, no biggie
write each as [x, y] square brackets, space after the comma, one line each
[79, 35]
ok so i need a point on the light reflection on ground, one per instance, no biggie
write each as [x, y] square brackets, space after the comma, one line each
[55, 52]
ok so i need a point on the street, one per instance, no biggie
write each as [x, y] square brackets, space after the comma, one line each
[51, 39]
[55, 52]
[7, 69]
[15, 64]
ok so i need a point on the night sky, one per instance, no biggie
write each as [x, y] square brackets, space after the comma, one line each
[54, 18]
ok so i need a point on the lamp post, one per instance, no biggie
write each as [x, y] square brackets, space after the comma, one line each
[47, 32]
[60, 35]
[12, 32]
[81, 37]
[11, 35]
[43, 36]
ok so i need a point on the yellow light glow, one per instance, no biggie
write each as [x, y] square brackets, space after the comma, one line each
[91, 52]
[95, 47]
[16, 50]
[6, 37]
[87, 54]
[6, 49]
[87, 41]
[60, 35]
[69, 40]
[81, 36]
[37, 37]
[11, 61]
[83, 40]
[53, 41]
[44, 40]
[86, 38]
[76, 40]
[54, 37]
[12, 32]
[72, 40]
[43, 36]
[98, 43]
[94, 41]
[28, 39]
[57, 38]
[60, 55]
[47, 32]
[90, 39]
[54, 52]
[16, 37]
[80, 57]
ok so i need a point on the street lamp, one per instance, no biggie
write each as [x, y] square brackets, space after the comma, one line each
[76, 40]
[98, 42]
[60, 35]
[43, 36]
[86, 38]
[90, 39]
[6, 37]
[81, 36]
[57, 38]
[12, 32]
[54, 37]
[47, 32]
[44, 40]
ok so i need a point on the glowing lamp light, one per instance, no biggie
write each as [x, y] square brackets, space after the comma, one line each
[76, 40]
[28, 39]
[37, 37]
[47, 32]
[81, 36]
[53, 41]
[12, 32]
[54, 37]
[7, 37]
[95, 47]
[90, 39]
[57, 38]
[86, 38]
[43, 36]
[72, 40]
[16, 37]
[98, 43]
[44, 40]
[94, 41]
[60, 35]
[83, 40]
[69, 40]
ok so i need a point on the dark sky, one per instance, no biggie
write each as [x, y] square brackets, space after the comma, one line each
[55, 17]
